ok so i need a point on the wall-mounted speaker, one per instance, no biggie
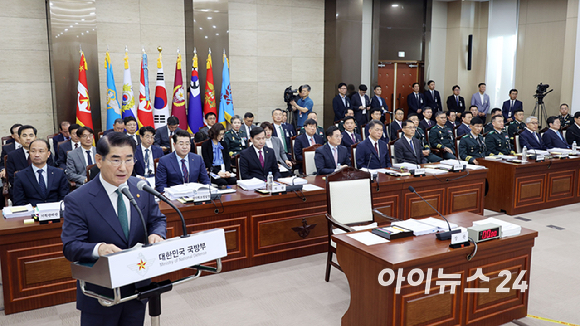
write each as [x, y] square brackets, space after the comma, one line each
[469, 50]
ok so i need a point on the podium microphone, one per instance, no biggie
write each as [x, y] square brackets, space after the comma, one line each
[124, 189]
[441, 235]
[142, 185]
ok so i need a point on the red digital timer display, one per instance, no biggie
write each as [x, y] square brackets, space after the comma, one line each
[489, 234]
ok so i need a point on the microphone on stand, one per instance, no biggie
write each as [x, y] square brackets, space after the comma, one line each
[124, 189]
[441, 235]
[142, 185]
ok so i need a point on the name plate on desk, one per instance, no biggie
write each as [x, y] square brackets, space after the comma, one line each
[457, 168]
[202, 198]
[278, 187]
[540, 158]
[418, 172]
[141, 263]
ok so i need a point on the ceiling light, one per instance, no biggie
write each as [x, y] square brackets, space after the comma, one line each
[206, 36]
[394, 5]
[208, 17]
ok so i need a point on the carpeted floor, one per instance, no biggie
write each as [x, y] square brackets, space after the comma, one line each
[294, 292]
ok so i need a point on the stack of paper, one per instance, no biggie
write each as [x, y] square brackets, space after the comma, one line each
[507, 229]
[408, 166]
[367, 238]
[251, 184]
[293, 181]
[18, 211]
[417, 227]
[430, 171]
[475, 167]
[538, 152]
[178, 191]
[453, 162]
[441, 225]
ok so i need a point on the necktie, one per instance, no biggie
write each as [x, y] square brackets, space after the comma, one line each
[147, 171]
[559, 135]
[76, 145]
[261, 158]
[537, 138]
[282, 138]
[457, 100]
[122, 213]
[417, 97]
[512, 105]
[376, 148]
[184, 171]
[412, 147]
[28, 159]
[335, 156]
[311, 141]
[171, 134]
[41, 184]
[344, 101]
[89, 158]
[353, 138]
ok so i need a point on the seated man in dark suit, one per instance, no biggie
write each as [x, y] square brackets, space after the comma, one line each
[118, 126]
[258, 160]
[332, 156]
[72, 144]
[376, 115]
[397, 124]
[553, 137]
[451, 120]
[19, 159]
[349, 135]
[163, 134]
[340, 103]
[510, 106]
[99, 220]
[307, 139]
[146, 153]
[427, 122]
[9, 147]
[202, 134]
[63, 135]
[465, 126]
[349, 113]
[373, 153]
[131, 127]
[408, 149]
[529, 137]
[181, 166]
[39, 182]
[573, 132]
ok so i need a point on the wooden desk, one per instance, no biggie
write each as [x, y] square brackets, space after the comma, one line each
[259, 230]
[372, 304]
[517, 188]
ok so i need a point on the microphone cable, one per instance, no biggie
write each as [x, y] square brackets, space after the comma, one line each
[472, 254]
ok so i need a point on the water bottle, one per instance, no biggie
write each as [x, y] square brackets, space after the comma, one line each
[574, 146]
[270, 182]
[524, 155]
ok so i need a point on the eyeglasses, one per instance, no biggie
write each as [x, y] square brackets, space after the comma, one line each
[118, 162]
[86, 136]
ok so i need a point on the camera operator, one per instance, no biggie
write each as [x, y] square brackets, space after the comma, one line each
[302, 106]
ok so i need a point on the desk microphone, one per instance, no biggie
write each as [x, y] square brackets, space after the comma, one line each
[125, 190]
[441, 235]
[143, 185]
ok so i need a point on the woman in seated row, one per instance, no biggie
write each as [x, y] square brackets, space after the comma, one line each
[215, 154]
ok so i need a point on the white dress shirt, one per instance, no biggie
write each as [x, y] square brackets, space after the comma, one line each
[44, 174]
[86, 156]
[378, 147]
[148, 157]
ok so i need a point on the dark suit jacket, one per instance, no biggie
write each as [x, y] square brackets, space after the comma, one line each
[140, 161]
[162, 137]
[55, 140]
[377, 102]
[288, 134]
[462, 130]
[394, 127]
[17, 162]
[433, 102]
[63, 150]
[415, 104]
[528, 140]
[6, 149]
[366, 156]
[325, 160]
[384, 137]
[452, 104]
[138, 139]
[405, 154]
[207, 154]
[347, 141]
[111, 130]
[573, 134]
[26, 189]
[250, 166]
[89, 219]
[339, 108]
[505, 109]
[424, 125]
[451, 125]
[356, 102]
[169, 171]
[302, 142]
[551, 140]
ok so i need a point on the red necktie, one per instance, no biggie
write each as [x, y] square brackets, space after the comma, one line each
[261, 158]
[376, 148]
[311, 141]
[353, 139]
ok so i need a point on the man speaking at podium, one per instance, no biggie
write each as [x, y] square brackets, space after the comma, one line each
[99, 220]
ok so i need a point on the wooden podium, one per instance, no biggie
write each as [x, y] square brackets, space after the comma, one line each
[373, 304]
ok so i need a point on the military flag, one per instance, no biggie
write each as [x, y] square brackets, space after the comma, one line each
[194, 114]
[84, 117]
[113, 107]
[226, 102]
[145, 114]
[129, 109]
[209, 102]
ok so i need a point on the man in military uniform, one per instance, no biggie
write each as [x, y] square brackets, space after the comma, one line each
[472, 145]
[497, 141]
[236, 138]
[518, 124]
[420, 134]
[441, 137]
[349, 113]
[565, 117]
[489, 126]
